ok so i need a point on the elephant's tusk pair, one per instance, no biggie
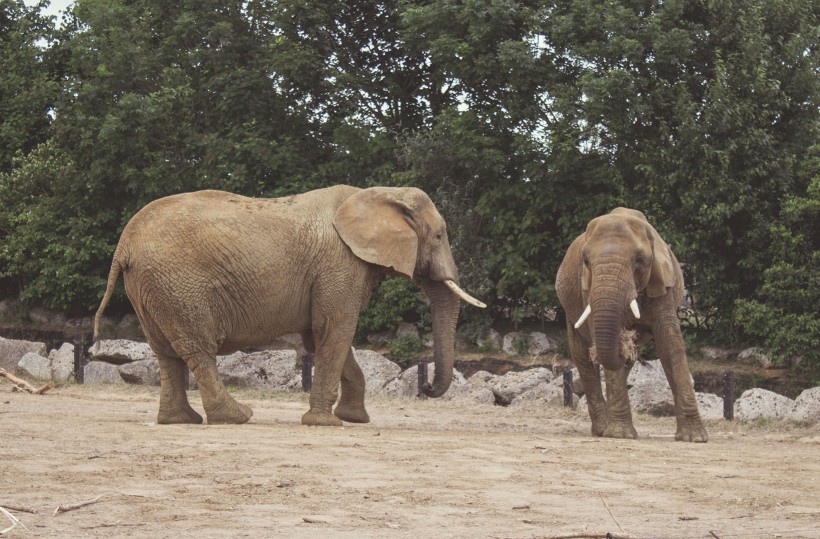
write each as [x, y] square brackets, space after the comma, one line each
[584, 315]
[464, 295]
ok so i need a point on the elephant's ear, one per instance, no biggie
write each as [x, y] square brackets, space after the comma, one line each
[663, 274]
[374, 223]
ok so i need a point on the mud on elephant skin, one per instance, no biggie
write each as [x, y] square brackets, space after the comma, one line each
[619, 276]
[211, 272]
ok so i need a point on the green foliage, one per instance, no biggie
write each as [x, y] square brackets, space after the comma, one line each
[405, 348]
[54, 231]
[29, 84]
[522, 120]
[394, 299]
[782, 316]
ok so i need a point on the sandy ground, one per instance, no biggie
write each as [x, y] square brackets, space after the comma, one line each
[419, 469]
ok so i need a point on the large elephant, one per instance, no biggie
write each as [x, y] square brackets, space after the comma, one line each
[211, 272]
[620, 275]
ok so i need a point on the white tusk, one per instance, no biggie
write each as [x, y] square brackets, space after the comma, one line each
[464, 295]
[584, 316]
[635, 310]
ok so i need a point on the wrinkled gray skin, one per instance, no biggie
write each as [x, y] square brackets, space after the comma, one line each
[211, 272]
[619, 258]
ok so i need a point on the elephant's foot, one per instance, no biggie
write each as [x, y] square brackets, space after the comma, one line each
[691, 430]
[229, 412]
[620, 430]
[598, 428]
[320, 418]
[172, 416]
[351, 413]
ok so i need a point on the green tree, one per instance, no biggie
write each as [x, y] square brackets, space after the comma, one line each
[28, 85]
[158, 97]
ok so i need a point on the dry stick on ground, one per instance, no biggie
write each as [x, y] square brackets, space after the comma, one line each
[18, 508]
[610, 513]
[64, 508]
[14, 521]
[586, 535]
[22, 385]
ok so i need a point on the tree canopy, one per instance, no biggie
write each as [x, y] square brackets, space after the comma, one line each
[523, 120]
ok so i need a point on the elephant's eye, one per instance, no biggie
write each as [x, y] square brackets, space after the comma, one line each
[640, 259]
[586, 261]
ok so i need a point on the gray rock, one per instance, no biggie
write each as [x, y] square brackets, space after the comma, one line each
[650, 372]
[380, 338]
[511, 385]
[480, 393]
[760, 403]
[481, 377]
[269, 368]
[544, 393]
[377, 370]
[649, 390]
[12, 351]
[120, 351]
[62, 363]
[100, 372]
[406, 328]
[807, 406]
[755, 356]
[406, 383]
[490, 340]
[35, 365]
[715, 353]
[710, 406]
[129, 319]
[45, 317]
[532, 344]
[143, 372]
[86, 322]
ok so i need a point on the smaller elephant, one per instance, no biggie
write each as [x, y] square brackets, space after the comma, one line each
[620, 276]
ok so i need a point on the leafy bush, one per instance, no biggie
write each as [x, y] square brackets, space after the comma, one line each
[395, 300]
[782, 316]
[405, 348]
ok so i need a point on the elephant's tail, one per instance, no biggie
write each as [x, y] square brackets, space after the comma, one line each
[116, 267]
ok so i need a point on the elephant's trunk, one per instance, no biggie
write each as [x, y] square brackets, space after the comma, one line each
[609, 299]
[445, 306]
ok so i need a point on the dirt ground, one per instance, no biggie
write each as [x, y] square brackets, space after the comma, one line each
[419, 469]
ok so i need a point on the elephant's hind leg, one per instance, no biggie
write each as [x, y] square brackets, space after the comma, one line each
[351, 403]
[219, 406]
[173, 397]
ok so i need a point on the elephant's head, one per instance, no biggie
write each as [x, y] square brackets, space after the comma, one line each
[622, 257]
[401, 229]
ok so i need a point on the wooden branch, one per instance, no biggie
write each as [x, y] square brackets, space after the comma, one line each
[610, 513]
[18, 508]
[65, 508]
[22, 385]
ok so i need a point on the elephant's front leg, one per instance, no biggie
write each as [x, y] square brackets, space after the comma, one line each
[332, 349]
[590, 381]
[350, 407]
[619, 420]
[672, 351]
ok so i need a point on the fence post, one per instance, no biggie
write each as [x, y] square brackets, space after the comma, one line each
[567, 388]
[307, 372]
[79, 372]
[728, 396]
[422, 379]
